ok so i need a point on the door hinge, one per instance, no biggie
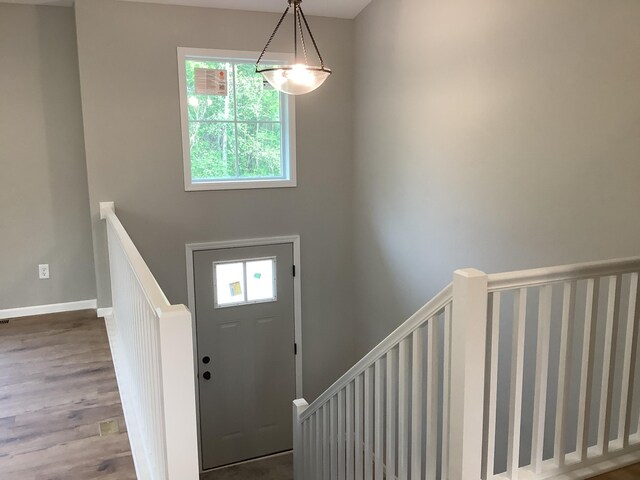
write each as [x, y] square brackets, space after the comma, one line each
[295, 348]
[294, 270]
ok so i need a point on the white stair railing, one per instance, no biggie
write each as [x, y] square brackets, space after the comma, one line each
[424, 403]
[381, 418]
[152, 347]
[587, 305]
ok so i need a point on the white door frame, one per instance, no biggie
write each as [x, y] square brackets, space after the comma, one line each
[191, 248]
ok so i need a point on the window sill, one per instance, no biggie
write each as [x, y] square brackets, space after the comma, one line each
[239, 185]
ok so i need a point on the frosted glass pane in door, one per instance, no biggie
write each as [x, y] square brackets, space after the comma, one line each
[229, 283]
[260, 280]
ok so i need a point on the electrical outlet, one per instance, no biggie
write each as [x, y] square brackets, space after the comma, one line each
[43, 270]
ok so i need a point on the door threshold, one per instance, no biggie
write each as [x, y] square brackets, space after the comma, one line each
[251, 460]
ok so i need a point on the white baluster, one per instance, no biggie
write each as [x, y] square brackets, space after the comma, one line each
[368, 423]
[417, 372]
[609, 362]
[433, 332]
[629, 362]
[334, 437]
[588, 360]
[359, 472]
[446, 385]
[564, 371]
[492, 376]
[350, 432]
[379, 421]
[319, 461]
[517, 376]
[542, 374]
[341, 435]
[403, 410]
[392, 410]
[326, 452]
[307, 431]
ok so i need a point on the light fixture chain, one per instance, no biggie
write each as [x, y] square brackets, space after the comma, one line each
[315, 45]
[274, 34]
[295, 37]
[299, 25]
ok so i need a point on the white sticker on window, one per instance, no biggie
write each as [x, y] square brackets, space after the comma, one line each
[210, 81]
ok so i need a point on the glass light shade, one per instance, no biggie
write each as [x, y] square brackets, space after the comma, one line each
[296, 79]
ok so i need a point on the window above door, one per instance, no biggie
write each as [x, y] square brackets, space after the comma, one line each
[237, 131]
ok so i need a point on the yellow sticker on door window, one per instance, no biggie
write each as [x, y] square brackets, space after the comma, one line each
[235, 288]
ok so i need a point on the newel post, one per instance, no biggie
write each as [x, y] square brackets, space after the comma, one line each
[179, 392]
[299, 406]
[468, 347]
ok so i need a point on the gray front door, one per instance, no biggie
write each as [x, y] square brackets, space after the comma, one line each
[245, 336]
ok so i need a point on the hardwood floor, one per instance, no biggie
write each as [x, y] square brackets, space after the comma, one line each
[57, 384]
[278, 467]
[630, 473]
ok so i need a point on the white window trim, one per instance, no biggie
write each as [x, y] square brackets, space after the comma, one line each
[287, 112]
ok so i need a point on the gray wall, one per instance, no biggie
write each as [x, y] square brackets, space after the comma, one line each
[44, 210]
[495, 135]
[128, 73]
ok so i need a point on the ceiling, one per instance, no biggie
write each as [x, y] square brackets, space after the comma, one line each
[325, 8]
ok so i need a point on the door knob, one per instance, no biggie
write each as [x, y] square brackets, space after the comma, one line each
[206, 375]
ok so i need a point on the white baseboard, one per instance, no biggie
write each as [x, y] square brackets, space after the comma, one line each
[44, 309]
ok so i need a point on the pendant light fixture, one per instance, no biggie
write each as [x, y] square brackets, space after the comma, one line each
[298, 78]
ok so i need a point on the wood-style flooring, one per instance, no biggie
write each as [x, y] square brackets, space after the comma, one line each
[57, 384]
[630, 473]
[277, 467]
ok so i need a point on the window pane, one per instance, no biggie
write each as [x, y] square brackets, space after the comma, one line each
[234, 127]
[260, 281]
[209, 107]
[256, 102]
[259, 153]
[213, 151]
[229, 283]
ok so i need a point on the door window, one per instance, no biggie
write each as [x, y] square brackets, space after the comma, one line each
[244, 282]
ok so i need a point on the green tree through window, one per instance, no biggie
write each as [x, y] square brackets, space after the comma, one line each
[237, 136]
